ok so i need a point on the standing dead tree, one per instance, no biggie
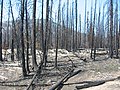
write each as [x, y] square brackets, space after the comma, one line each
[22, 39]
[66, 38]
[58, 24]
[1, 15]
[93, 32]
[42, 30]
[12, 41]
[73, 42]
[111, 29]
[80, 31]
[27, 38]
[85, 24]
[46, 33]
[76, 25]
[116, 29]
[50, 28]
[34, 62]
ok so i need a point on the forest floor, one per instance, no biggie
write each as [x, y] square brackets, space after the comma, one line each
[103, 68]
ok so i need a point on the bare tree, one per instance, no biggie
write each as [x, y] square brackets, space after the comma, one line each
[50, 31]
[1, 15]
[8, 26]
[14, 34]
[46, 33]
[42, 30]
[93, 42]
[85, 24]
[63, 28]
[22, 38]
[27, 38]
[76, 25]
[34, 62]
[116, 29]
[73, 46]
[80, 30]
[66, 38]
[111, 28]
[58, 24]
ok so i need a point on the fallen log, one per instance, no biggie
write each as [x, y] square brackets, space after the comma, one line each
[39, 69]
[90, 84]
[22, 85]
[87, 84]
[60, 83]
[73, 74]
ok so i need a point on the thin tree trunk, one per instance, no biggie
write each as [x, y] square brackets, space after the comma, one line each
[50, 32]
[12, 41]
[14, 35]
[27, 39]
[76, 25]
[58, 24]
[80, 30]
[111, 28]
[34, 62]
[67, 41]
[117, 35]
[73, 46]
[63, 29]
[8, 26]
[85, 25]
[1, 30]
[46, 33]
[42, 26]
[87, 34]
[93, 33]
[22, 38]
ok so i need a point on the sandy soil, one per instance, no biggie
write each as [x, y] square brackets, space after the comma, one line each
[101, 69]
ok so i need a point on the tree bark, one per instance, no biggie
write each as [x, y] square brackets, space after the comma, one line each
[111, 28]
[22, 38]
[58, 24]
[34, 62]
[1, 15]
[27, 39]
[46, 34]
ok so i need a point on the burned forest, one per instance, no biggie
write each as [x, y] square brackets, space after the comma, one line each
[59, 45]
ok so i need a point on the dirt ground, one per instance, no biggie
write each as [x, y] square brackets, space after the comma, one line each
[102, 69]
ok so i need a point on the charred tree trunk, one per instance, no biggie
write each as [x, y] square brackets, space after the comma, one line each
[1, 15]
[13, 29]
[50, 31]
[116, 27]
[111, 28]
[46, 33]
[85, 24]
[93, 33]
[13, 36]
[67, 40]
[76, 26]
[34, 62]
[80, 31]
[8, 26]
[22, 38]
[73, 46]
[42, 30]
[27, 39]
[58, 24]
